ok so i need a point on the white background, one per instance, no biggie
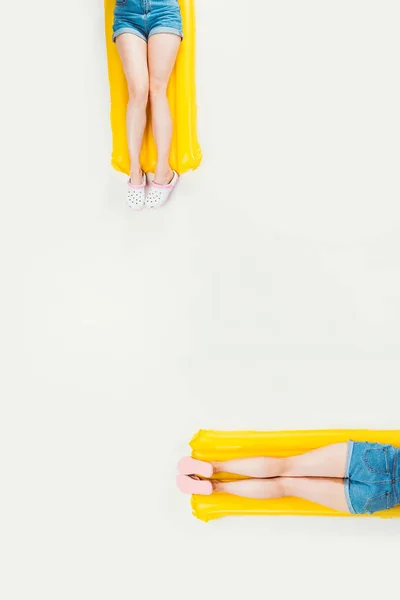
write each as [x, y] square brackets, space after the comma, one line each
[265, 295]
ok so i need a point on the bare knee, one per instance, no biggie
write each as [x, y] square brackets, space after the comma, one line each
[286, 466]
[288, 486]
[279, 490]
[158, 87]
[139, 92]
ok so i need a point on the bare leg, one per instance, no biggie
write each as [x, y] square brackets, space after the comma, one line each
[328, 492]
[163, 49]
[329, 461]
[133, 52]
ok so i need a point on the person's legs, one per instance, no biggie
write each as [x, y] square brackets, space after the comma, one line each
[328, 492]
[329, 461]
[133, 52]
[251, 488]
[163, 49]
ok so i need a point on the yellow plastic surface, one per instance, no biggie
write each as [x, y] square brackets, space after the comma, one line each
[223, 445]
[185, 152]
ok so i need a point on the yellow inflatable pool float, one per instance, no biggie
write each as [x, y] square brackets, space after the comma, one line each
[185, 152]
[223, 445]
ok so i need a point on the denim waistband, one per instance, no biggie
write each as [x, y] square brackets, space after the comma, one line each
[396, 472]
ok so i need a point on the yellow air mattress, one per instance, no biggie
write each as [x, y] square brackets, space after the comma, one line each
[185, 152]
[223, 445]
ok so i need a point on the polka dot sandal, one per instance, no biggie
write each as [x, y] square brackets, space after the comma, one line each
[157, 194]
[136, 194]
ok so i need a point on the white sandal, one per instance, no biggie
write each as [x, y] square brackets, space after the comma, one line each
[136, 194]
[157, 194]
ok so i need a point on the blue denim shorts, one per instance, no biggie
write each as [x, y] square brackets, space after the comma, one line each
[147, 17]
[372, 479]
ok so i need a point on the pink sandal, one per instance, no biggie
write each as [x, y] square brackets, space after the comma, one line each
[193, 485]
[191, 466]
[157, 194]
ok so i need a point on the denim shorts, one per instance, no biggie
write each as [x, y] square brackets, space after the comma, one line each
[147, 17]
[372, 480]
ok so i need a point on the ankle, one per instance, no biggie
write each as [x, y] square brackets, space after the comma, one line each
[136, 176]
[164, 175]
[217, 485]
[217, 466]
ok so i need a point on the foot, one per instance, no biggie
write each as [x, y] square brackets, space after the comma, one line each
[136, 194]
[191, 466]
[164, 177]
[158, 194]
[194, 485]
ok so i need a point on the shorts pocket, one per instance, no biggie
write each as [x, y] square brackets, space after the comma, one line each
[120, 2]
[377, 460]
[378, 503]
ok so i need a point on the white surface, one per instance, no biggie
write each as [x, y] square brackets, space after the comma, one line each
[265, 295]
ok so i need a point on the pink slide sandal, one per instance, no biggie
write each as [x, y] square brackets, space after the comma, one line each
[190, 485]
[191, 466]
